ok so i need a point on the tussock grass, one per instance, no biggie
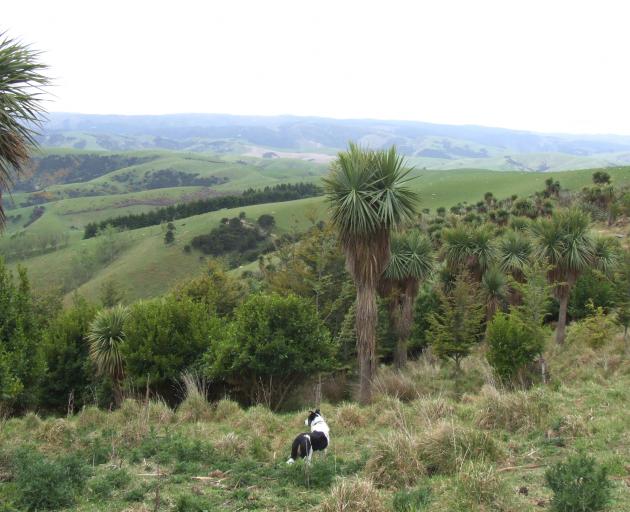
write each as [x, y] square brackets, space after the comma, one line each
[57, 432]
[396, 461]
[259, 420]
[349, 416]
[354, 494]
[227, 409]
[231, 445]
[514, 411]
[91, 418]
[432, 409]
[31, 421]
[479, 487]
[195, 407]
[446, 446]
[392, 383]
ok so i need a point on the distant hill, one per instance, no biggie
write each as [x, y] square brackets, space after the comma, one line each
[433, 146]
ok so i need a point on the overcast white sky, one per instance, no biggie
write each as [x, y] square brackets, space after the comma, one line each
[551, 65]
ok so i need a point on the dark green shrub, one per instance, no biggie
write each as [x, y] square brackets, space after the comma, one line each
[511, 345]
[274, 343]
[164, 337]
[47, 484]
[579, 484]
[591, 289]
[413, 500]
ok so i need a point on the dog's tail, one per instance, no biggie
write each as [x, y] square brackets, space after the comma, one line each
[300, 448]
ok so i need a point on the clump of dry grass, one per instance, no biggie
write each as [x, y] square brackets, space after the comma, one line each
[57, 432]
[478, 487]
[158, 412]
[446, 446]
[514, 412]
[195, 407]
[227, 409]
[232, 445]
[386, 411]
[396, 461]
[432, 409]
[353, 494]
[349, 417]
[574, 425]
[393, 383]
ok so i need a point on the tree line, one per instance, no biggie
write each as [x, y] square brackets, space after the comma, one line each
[276, 193]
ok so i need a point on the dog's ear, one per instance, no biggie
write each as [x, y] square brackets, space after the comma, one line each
[310, 412]
[316, 411]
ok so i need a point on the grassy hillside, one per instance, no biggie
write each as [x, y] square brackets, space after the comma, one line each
[145, 266]
[421, 444]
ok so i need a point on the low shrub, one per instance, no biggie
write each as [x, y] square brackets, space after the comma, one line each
[356, 494]
[514, 412]
[396, 461]
[91, 418]
[47, 484]
[594, 331]
[512, 346]
[579, 484]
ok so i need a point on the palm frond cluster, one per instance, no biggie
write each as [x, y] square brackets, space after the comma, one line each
[21, 107]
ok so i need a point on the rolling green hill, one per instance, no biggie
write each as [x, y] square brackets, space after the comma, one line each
[144, 266]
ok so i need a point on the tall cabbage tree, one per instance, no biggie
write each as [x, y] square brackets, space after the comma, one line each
[566, 243]
[369, 197]
[514, 252]
[21, 84]
[105, 337]
[410, 263]
[469, 249]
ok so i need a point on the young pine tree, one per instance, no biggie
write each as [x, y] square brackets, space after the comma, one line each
[458, 326]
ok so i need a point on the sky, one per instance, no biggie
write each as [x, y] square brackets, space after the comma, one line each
[552, 65]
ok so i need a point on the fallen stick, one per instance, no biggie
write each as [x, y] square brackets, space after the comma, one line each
[516, 468]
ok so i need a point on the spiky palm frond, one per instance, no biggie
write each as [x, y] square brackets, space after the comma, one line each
[494, 283]
[515, 249]
[606, 252]
[21, 84]
[565, 242]
[457, 246]
[411, 257]
[484, 249]
[106, 336]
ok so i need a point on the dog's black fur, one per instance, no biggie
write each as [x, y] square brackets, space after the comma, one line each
[306, 443]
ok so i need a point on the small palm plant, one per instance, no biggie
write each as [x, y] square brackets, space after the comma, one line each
[515, 249]
[566, 243]
[369, 197]
[411, 262]
[21, 84]
[469, 249]
[106, 336]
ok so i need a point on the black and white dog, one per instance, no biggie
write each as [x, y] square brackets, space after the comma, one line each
[305, 444]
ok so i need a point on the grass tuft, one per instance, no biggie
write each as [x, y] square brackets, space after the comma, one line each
[354, 494]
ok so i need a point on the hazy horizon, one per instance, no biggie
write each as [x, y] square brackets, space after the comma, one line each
[547, 67]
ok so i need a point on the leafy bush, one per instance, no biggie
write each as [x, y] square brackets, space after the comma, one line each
[579, 484]
[47, 484]
[511, 345]
[164, 337]
[591, 289]
[595, 330]
[273, 343]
